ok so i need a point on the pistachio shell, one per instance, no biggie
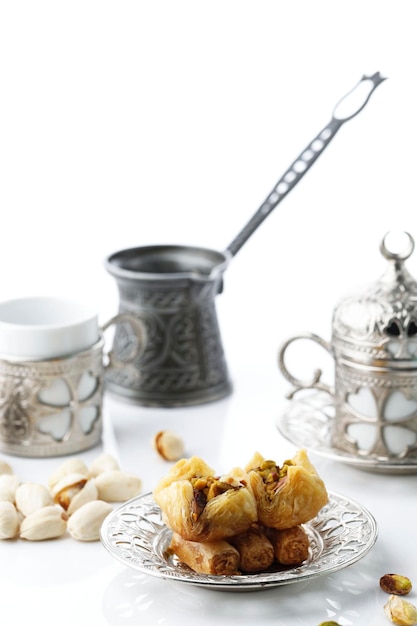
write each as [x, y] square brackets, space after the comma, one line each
[70, 466]
[168, 445]
[46, 523]
[88, 493]
[400, 611]
[117, 486]
[85, 523]
[8, 486]
[31, 496]
[103, 463]
[67, 487]
[5, 468]
[9, 520]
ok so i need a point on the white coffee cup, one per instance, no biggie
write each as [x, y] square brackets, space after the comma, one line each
[51, 371]
[41, 328]
[52, 363]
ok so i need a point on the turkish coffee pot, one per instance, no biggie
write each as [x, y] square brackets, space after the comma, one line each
[171, 290]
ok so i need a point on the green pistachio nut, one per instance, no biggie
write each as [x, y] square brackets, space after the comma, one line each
[395, 584]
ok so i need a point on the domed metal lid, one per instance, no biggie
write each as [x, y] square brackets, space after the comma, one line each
[377, 324]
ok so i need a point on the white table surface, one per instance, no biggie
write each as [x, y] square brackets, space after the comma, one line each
[133, 123]
[83, 583]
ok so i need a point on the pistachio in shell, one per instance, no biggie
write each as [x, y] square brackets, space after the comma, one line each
[400, 611]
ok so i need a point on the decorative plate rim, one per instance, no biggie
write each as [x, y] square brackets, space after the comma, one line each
[305, 422]
[341, 534]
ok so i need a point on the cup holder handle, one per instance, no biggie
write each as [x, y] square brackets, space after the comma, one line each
[139, 344]
[315, 382]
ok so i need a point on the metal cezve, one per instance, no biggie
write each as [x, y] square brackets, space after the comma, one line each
[171, 290]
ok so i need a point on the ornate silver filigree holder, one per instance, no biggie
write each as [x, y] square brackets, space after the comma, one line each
[374, 346]
[51, 407]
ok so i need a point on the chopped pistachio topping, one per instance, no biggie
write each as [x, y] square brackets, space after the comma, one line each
[205, 489]
[271, 473]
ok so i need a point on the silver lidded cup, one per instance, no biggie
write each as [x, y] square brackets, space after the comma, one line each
[374, 347]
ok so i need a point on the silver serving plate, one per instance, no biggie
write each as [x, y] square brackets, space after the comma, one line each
[341, 534]
[307, 423]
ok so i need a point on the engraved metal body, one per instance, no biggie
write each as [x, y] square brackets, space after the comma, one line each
[171, 290]
[374, 346]
[51, 407]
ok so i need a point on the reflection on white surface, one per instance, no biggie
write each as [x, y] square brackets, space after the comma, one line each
[73, 560]
[350, 597]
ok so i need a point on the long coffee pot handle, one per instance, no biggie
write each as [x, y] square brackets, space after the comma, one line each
[315, 382]
[356, 98]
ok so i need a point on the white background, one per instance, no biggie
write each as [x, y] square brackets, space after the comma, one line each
[130, 123]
